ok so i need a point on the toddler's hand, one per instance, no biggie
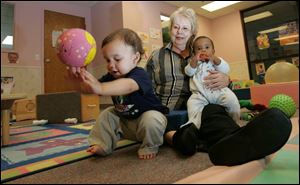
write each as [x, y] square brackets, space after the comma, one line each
[73, 72]
[194, 61]
[215, 60]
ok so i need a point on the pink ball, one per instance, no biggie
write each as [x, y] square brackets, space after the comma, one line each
[76, 47]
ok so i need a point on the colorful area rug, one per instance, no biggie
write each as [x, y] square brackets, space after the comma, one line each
[37, 148]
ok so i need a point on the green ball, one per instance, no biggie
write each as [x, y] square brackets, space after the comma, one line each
[285, 103]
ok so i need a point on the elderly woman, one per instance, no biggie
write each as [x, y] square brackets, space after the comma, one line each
[218, 134]
[166, 65]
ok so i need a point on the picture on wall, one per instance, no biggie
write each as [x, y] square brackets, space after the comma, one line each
[260, 72]
[7, 84]
[154, 33]
[262, 41]
[144, 37]
[260, 68]
[13, 57]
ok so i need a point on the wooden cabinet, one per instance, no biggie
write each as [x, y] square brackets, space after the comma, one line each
[56, 107]
[90, 107]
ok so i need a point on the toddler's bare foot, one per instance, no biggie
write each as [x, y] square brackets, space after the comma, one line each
[95, 149]
[147, 156]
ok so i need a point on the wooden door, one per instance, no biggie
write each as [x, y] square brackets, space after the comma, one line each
[55, 71]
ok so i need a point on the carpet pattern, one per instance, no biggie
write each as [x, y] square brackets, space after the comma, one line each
[123, 167]
[37, 148]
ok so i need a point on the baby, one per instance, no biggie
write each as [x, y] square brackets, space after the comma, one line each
[200, 66]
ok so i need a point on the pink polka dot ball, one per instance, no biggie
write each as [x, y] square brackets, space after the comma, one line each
[76, 47]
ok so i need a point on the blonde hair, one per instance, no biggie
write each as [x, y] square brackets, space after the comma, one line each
[190, 14]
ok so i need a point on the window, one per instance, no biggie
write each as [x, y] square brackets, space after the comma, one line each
[271, 35]
[7, 26]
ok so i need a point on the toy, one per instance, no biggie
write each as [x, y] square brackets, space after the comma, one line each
[255, 109]
[282, 72]
[40, 122]
[76, 47]
[262, 94]
[71, 120]
[283, 102]
[248, 116]
[203, 57]
[239, 84]
[250, 106]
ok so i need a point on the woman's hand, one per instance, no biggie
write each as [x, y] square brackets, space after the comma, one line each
[216, 80]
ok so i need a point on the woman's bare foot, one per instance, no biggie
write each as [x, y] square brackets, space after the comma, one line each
[95, 149]
[147, 156]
